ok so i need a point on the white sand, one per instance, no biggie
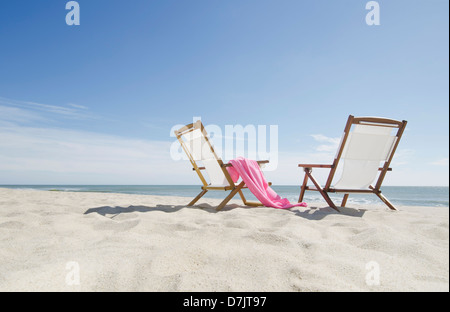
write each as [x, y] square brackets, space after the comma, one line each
[116, 242]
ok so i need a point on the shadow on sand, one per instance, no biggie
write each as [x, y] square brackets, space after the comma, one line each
[316, 213]
[108, 210]
[312, 213]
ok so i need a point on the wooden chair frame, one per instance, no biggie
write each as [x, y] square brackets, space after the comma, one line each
[372, 121]
[232, 187]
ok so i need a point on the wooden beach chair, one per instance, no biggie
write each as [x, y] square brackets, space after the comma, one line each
[363, 157]
[194, 141]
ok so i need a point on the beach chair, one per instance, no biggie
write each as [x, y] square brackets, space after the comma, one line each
[363, 157]
[194, 141]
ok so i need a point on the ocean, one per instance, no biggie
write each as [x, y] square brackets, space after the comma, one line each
[436, 196]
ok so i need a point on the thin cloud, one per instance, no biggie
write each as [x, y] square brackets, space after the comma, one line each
[10, 114]
[441, 162]
[72, 156]
[77, 106]
[403, 156]
[71, 111]
[31, 151]
[331, 144]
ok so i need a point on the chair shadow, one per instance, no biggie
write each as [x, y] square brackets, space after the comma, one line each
[312, 213]
[319, 213]
[112, 212]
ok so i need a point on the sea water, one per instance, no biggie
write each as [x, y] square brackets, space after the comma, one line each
[436, 196]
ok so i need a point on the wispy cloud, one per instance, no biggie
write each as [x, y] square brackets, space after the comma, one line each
[441, 162]
[61, 156]
[77, 106]
[403, 156]
[45, 111]
[328, 144]
[32, 151]
[11, 114]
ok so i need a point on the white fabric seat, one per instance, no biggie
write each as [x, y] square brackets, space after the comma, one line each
[201, 151]
[365, 149]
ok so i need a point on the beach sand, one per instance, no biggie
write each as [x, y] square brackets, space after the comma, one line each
[62, 241]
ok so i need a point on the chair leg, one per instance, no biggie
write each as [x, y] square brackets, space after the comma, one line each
[321, 190]
[247, 203]
[244, 200]
[328, 200]
[344, 200]
[203, 192]
[230, 196]
[303, 188]
[386, 201]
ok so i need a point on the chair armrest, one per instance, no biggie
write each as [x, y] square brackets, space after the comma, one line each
[260, 162]
[328, 166]
[315, 166]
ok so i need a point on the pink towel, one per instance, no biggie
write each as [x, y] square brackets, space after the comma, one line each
[251, 174]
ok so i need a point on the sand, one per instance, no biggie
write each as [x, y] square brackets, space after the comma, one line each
[62, 241]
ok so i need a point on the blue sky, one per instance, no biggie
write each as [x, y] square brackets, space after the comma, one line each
[95, 103]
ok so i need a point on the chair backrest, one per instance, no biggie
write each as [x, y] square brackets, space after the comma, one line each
[368, 144]
[194, 141]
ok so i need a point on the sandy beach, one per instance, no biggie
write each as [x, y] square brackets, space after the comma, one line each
[73, 241]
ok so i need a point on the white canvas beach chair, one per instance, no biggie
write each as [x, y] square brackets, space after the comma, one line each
[194, 141]
[364, 157]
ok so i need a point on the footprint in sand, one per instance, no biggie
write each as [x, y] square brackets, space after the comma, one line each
[15, 225]
[268, 238]
[118, 222]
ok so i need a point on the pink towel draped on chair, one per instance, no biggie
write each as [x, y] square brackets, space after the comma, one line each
[251, 174]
